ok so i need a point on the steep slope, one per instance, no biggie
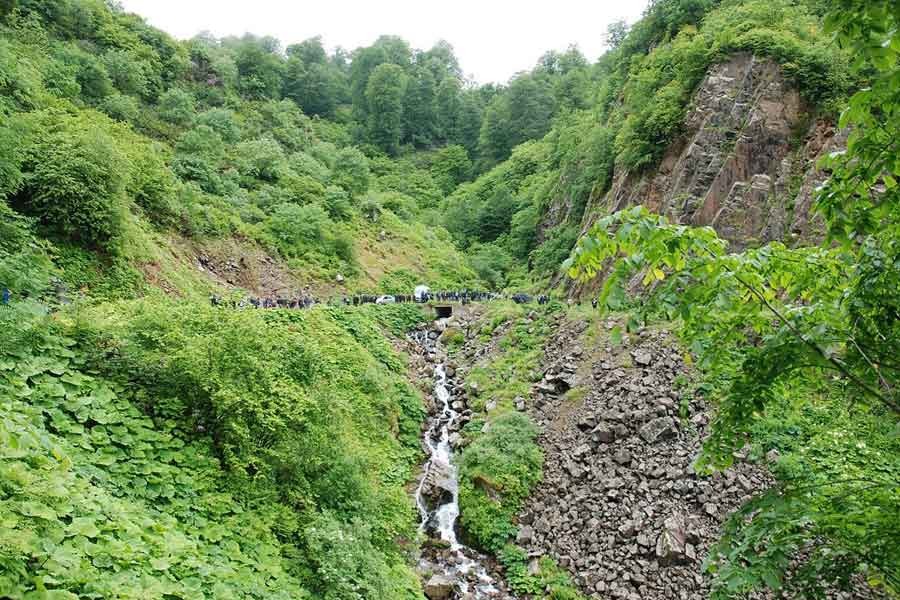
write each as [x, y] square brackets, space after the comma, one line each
[745, 164]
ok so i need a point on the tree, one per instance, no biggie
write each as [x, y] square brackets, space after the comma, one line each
[260, 68]
[469, 121]
[495, 214]
[531, 108]
[223, 122]
[448, 109]
[128, 73]
[419, 109]
[384, 96]
[312, 81]
[804, 335]
[442, 61]
[261, 159]
[495, 139]
[386, 49]
[616, 32]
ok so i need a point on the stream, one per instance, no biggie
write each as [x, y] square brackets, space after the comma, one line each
[454, 568]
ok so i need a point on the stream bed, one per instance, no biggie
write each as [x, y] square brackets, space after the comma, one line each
[449, 568]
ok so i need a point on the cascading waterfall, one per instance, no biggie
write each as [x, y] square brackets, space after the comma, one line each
[459, 563]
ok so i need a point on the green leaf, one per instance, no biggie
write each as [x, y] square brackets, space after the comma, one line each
[83, 526]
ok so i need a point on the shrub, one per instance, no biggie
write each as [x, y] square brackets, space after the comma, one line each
[499, 469]
[351, 171]
[400, 204]
[222, 121]
[337, 203]
[152, 185]
[120, 107]
[261, 159]
[126, 71]
[177, 107]
[300, 229]
[302, 189]
[74, 179]
[306, 164]
[370, 208]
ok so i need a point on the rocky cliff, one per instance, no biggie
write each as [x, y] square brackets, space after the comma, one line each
[745, 163]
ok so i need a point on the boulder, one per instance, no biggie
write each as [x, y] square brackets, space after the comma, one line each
[658, 428]
[439, 587]
[525, 535]
[671, 545]
[623, 457]
[643, 358]
[437, 489]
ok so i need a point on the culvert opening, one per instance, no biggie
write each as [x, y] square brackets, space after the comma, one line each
[443, 312]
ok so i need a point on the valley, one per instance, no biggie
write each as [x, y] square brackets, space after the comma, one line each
[296, 321]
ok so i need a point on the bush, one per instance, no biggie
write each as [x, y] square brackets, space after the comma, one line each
[498, 470]
[306, 231]
[400, 204]
[121, 108]
[74, 179]
[90, 74]
[302, 189]
[152, 185]
[337, 203]
[305, 164]
[451, 167]
[126, 71]
[371, 208]
[351, 171]
[199, 154]
[10, 160]
[222, 121]
[177, 107]
[261, 159]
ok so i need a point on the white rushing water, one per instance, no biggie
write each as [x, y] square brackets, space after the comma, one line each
[462, 564]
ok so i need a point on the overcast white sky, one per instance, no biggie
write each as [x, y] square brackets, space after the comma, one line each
[493, 39]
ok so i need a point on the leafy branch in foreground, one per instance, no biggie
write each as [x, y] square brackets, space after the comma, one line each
[768, 326]
[799, 346]
[782, 309]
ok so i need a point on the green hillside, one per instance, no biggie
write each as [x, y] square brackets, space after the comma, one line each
[154, 444]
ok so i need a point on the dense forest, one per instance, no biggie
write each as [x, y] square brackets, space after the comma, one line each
[155, 445]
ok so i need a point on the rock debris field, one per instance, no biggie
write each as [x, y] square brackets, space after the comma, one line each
[620, 506]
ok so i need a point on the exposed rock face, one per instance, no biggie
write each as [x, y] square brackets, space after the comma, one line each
[620, 505]
[745, 164]
[739, 166]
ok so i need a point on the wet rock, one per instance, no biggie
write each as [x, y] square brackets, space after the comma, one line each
[438, 486]
[439, 587]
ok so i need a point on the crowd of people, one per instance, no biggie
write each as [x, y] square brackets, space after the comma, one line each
[420, 297]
